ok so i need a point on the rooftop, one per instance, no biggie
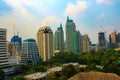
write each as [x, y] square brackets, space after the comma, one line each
[29, 40]
[55, 69]
[36, 76]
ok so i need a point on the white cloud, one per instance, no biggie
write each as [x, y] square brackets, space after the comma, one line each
[26, 23]
[75, 9]
[52, 21]
[106, 1]
[101, 16]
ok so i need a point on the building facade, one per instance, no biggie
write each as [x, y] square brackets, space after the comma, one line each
[101, 41]
[72, 37]
[30, 52]
[118, 40]
[59, 40]
[17, 39]
[3, 49]
[14, 53]
[76, 42]
[15, 45]
[45, 43]
[113, 40]
[86, 43]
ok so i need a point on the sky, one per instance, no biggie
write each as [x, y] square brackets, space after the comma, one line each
[90, 16]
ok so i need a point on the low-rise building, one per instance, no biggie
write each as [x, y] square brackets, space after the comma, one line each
[53, 70]
[37, 76]
[76, 65]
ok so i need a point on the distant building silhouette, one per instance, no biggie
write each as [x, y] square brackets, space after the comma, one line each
[101, 41]
[118, 40]
[113, 40]
[86, 43]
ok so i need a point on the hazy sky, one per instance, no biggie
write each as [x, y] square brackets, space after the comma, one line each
[90, 16]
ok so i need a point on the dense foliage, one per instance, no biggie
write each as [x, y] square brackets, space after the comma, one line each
[108, 61]
[1, 74]
[68, 70]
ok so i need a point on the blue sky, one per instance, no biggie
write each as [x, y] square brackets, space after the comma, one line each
[90, 16]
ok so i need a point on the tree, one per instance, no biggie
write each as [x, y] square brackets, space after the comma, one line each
[1, 74]
[63, 77]
[20, 77]
[68, 70]
[10, 79]
[52, 78]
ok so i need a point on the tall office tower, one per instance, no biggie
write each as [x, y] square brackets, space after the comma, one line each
[30, 52]
[3, 49]
[101, 40]
[86, 43]
[118, 40]
[45, 43]
[71, 36]
[59, 40]
[112, 40]
[76, 42]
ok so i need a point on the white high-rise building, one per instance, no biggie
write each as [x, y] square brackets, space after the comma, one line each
[45, 43]
[3, 49]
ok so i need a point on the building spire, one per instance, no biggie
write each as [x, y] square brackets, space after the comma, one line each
[60, 24]
[67, 18]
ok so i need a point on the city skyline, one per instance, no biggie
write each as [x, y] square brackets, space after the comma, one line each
[90, 17]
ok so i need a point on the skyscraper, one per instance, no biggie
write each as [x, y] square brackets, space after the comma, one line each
[30, 52]
[45, 43]
[3, 49]
[113, 40]
[118, 40]
[86, 43]
[76, 42]
[59, 40]
[101, 40]
[72, 37]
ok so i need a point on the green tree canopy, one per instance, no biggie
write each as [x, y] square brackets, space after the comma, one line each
[68, 70]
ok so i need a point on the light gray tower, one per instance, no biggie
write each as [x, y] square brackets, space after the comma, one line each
[3, 49]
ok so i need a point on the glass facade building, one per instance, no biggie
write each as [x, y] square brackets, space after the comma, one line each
[59, 40]
[72, 37]
[30, 52]
[17, 39]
